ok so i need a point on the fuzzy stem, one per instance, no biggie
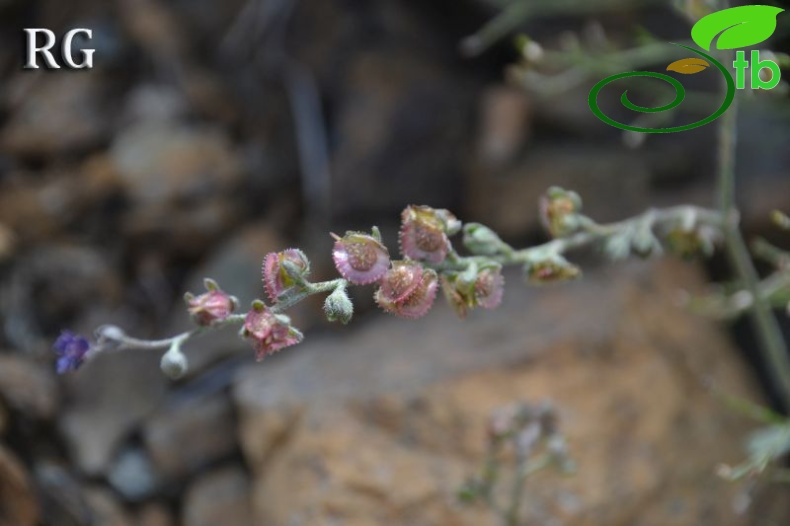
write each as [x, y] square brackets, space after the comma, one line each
[591, 234]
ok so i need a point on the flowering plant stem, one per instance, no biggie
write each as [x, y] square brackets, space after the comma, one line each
[589, 233]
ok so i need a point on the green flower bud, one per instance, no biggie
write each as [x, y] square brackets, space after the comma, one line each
[479, 239]
[338, 306]
[174, 363]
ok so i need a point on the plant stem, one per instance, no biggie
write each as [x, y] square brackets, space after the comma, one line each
[771, 342]
[684, 216]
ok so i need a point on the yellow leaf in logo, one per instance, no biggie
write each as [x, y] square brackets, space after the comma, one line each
[688, 66]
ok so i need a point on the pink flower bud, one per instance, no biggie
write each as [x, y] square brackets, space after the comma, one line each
[459, 301]
[276, 279]
[267, 331]
[489, 288]
[484, 289]
[407, 289]
[423, 233]
[559, 211]
[360, 258]
[552, 269]
[689, 244]
[211, 306]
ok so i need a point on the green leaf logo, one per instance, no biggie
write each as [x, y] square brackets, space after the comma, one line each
[738, 26]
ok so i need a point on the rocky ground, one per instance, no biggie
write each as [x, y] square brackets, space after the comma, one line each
[211, 133]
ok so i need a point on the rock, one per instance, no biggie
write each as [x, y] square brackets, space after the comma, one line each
[505, 125]
[5, 419]
[54, 114]
[133, 475]
[163, 163]
[185, 437]
[154, 102]
[7, 242]
[27, 388]
[105, 508]
[219, 497]
[154, 514]
[18, 505]
[53, 285]
[357, 432]
[507, 199]
[62, 498]
[110, 396]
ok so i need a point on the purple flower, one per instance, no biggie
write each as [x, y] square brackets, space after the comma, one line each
[71, 350]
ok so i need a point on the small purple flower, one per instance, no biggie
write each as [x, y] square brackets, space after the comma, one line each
[71, 350]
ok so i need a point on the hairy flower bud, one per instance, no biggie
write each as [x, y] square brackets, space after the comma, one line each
[423, 233]
[277, 279]
[174, 363]
[559, 211]
[483, 287]
[360, 258]
[338, 306]
[267, 331]
[549, 270]
[690, 243]
[481, 240]
[211, 306]
[781, 220]
[407, 289]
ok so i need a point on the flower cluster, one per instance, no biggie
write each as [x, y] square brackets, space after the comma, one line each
[407, 286]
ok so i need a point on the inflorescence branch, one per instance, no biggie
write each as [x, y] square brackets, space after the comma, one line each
[407, 287]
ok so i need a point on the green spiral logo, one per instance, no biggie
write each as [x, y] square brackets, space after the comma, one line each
[680, 94]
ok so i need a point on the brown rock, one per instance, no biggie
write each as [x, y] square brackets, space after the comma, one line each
[154, 514]
[507, 199]
[162, 162]
[7, 242]
[388, 434]
[188, 436]
[105, 508]
[110, 396]
[27, 387]
[504, 128]
[54, 113]
[219, 497]
[18, 506]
